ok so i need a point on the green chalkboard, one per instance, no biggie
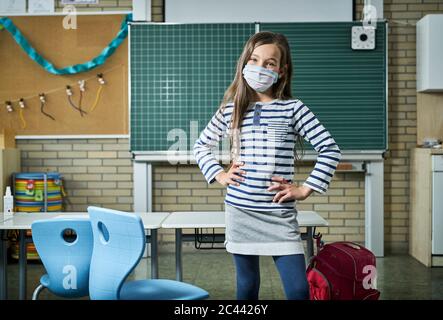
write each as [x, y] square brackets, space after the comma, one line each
[179, 72]
[345, 88]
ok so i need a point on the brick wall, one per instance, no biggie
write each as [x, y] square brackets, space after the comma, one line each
[183, 188]
[157, 10]
[95, 171]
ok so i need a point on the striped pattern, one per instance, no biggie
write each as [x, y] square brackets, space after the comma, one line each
[267, 140]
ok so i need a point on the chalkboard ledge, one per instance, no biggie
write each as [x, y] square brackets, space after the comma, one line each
[188, 157]
[76, 136]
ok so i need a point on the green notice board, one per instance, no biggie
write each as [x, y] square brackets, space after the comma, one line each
[179, 72]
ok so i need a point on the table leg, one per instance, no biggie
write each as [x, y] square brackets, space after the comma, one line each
[22, 266]
[310, 242]
[178, 254]
[3, 266]
[154, 254]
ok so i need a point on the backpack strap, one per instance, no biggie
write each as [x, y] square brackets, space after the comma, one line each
[318, 240]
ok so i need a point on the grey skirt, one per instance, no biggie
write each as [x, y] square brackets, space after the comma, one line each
[266, 233]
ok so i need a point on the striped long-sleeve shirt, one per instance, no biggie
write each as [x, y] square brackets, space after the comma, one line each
[267, 140]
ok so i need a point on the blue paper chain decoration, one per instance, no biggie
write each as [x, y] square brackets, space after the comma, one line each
[97, 61]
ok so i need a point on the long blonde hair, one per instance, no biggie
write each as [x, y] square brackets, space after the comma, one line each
[242, 95]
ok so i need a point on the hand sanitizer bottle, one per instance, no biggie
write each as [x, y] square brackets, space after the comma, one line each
[8, 203]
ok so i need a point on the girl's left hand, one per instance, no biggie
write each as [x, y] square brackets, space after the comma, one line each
[288, 191]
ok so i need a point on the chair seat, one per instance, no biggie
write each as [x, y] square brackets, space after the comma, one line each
[161, 289]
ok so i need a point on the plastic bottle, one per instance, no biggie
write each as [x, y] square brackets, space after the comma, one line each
[8, 202]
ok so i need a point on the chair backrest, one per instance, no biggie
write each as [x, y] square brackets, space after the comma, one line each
[119, 242]
[66, 260]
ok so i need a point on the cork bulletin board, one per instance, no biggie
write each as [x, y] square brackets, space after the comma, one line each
[21, 77]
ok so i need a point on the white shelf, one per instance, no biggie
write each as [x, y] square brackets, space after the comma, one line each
[429, 52]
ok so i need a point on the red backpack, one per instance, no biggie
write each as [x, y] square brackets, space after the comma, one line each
[342, 271]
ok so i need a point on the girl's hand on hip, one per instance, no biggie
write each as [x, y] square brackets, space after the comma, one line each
[231, 177]
[288, 191]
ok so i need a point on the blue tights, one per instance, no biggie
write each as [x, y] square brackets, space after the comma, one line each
[292, 271]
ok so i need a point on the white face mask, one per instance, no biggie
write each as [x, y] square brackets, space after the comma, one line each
[260, 79]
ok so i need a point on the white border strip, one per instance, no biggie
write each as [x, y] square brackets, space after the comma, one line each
[79, 136]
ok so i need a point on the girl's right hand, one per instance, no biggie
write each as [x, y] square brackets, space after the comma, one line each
[231, 177]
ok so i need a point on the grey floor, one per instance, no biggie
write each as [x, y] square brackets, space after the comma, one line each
[399, 276]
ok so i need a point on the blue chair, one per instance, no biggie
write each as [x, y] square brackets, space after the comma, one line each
[119, 242]
[66, 256]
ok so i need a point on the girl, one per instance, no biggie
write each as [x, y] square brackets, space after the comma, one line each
[263, 122]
